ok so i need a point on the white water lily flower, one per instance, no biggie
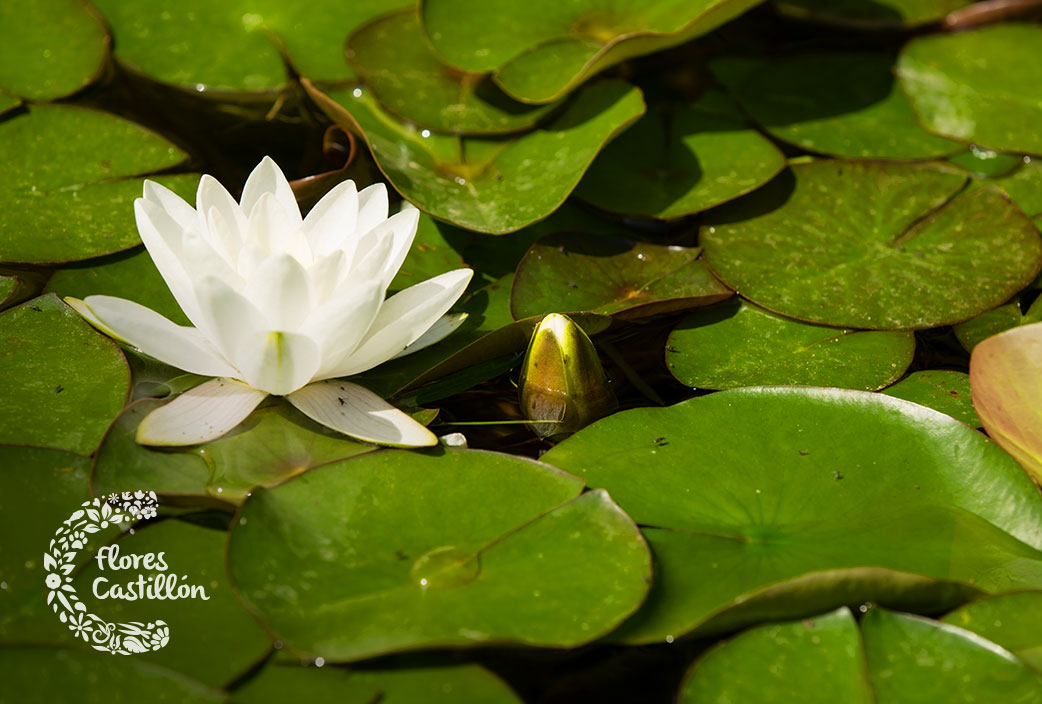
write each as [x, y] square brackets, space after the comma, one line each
[281, 305]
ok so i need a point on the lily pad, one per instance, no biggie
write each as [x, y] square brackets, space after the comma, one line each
[961, 85]
[871, 14]
[392, 57]
[1013, 621]
[878, 245]
[457, 684]
[131, 275]
[46, 675]
[275, 443]
[400, 554]
[493, 185]
[431, 254]
[986, 163]
[71, 181]
[20, 284]
[611, 276]
[542, 50]
[50, 48]
[742, 345]
[942, 390]
[8, 102]
[1024, 186]
[236, 46]
[839, 103]
[976, 330]
[1006, 380]
[802, 500]
[671, 164]
[63, 381]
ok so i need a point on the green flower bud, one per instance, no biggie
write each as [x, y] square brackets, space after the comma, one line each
[562, 379]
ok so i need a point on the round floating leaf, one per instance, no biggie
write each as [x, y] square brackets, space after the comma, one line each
[787, 501]
[1024, 186]
[47, 675]
[770, 664]
[488, 184]
[236, 45]
[543, 49]
[393, 58]
[457, 684]
[63, 381]
[742, 345]
[912, 659]
[877, 245]
[1006, 379]
[17, 285]
[71, 181]
[986, 163]
[840, 103]
[401, 553]
[872, 14]
[673, 164]
[612, 276]
[50, 48]
[273, 444]
[7, 102]
[942, 390]
[961, 85]
[1013, 621]
[131, 275]
[976, 330]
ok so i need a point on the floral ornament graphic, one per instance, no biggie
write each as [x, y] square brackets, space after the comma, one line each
[59, 562]
[281, 304]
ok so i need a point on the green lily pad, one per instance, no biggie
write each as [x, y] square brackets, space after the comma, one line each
[8, 102]
[961, 85]
[488, 184]
[986, 163]
[871, 14]
[131, 275]
[1024, 186]
[805, 499]
[942, 390]
[431, 254]
[236, 46]
[676, 163]
[611, 276]
[839, 103]
[541, 50]
[1013, 621]
[876, 245]
[457, 684]
[400, 554]
[742, 345]
[50, 48]
[393, 58]
[273, 444]
[976, 330]
[47, 675]
[71, 181]
[63, 381]
[912, 659]
[770, 664]
[18, 284]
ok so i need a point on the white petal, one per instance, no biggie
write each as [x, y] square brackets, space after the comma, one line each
[212, 196]
[402, 228]
[283, 362]
[358, 412]
[280, 289]
[374, 249]
[171, 203]
[332, 221]
[338, 325]
[326, 274]
[403, 318]
[266, 178]
[162, 237]
[250, 257]
[201, 414]
[442, 328]
[271, 230]
[234, 324]
[372, 207]
[200, 257]
[181, 347]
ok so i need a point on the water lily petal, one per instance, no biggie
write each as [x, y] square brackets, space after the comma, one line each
[402, 228]
[162, 237]
[339, 325]
[404, 317]
[229, 320]
[272, 231]
[442, 328]
[172, 204]
[331, 222]
[280, 289]
[210, 196]
[373, 251]
[372, 207]
[282, 362]
[201, 414]
[199, 256]
[182, 347]
[358, 412]
[326, 274]
[267, 178]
